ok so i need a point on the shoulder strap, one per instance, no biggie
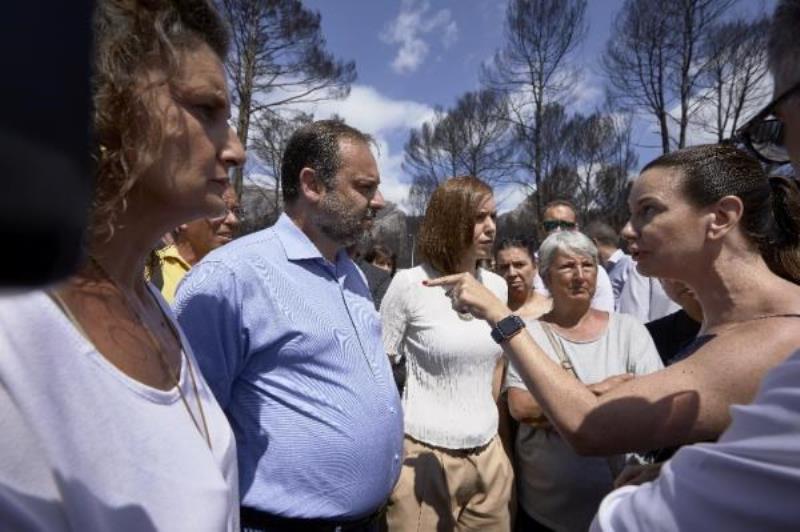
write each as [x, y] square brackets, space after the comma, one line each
[558, 347]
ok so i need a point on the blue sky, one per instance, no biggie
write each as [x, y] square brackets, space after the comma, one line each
[413, 55]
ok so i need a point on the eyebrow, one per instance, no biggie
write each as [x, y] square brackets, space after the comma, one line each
[646, 198]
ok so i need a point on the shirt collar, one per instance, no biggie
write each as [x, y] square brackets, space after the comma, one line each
[296, 244]
[170, 253]
[616, 257]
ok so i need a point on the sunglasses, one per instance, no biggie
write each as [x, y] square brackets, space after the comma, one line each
[763, 135]
[552, 225]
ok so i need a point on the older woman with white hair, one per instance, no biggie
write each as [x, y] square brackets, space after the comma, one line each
[558, 488]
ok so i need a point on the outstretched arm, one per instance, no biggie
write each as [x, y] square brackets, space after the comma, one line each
[657, 410]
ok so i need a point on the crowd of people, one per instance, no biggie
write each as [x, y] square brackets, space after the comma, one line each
[187, 379]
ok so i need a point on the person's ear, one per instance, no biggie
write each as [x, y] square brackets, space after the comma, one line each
[726, 214]
[310, 187]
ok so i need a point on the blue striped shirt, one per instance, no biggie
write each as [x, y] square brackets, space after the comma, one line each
[291, 346]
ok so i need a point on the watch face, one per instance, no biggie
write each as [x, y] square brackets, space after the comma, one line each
[510, 325]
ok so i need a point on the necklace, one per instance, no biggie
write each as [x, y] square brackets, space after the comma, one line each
[204, 432]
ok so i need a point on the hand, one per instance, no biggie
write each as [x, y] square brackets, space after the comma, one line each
[636, 474]
[468, 295]
[606, 385]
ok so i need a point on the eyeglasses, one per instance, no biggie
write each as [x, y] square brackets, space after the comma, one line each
[763, 135]
[237, 212]
[552, 225]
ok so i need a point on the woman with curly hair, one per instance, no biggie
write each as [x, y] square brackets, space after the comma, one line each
[107, 422]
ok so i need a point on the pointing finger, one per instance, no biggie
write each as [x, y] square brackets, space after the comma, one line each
[447, 280]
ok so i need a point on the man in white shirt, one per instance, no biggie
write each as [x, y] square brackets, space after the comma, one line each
[750, 478]
[559, 215]
[634, 294]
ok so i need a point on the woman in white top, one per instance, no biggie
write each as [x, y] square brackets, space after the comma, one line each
[456, 473]
[107, 422]
[559, 489]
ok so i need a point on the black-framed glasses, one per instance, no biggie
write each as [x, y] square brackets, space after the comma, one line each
[763, 134]
[551, 225]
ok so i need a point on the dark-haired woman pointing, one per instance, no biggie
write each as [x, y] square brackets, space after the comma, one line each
[710, 217]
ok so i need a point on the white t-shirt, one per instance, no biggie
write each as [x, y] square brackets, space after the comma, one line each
[447, 401]
[558, 487]
[748, 480]
[85, 447]
[603, 298]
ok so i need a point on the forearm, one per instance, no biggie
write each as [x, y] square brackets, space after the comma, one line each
[524, 408]
[636, 415]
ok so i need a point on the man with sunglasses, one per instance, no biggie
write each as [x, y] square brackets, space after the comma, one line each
[560, 215]
[773, 134]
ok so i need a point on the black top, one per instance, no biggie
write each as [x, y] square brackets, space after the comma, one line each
[672, 334]
[377, 279]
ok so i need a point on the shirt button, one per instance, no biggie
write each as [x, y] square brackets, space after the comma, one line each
[391, 410]
[396, 457]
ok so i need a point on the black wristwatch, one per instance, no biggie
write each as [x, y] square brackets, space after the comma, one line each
[507, 328]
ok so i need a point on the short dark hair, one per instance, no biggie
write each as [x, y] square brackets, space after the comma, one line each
[560, 203]
[379, 251]
[315, 145]
[528, 245]
[771, 217]
[448, 227]
[602, 233]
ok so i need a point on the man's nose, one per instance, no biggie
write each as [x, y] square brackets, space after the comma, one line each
[377, 202]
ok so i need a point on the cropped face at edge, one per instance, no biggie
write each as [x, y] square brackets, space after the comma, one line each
[788, 112]
[207, 234]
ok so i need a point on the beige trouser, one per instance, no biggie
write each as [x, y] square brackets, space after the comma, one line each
[442, 490]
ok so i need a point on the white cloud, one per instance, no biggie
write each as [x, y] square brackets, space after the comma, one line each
[409, 29]
[387, 120]
[374, 113]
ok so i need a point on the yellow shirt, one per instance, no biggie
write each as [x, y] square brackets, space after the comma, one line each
[173, 268]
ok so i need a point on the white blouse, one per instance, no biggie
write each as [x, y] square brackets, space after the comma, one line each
[447, 400]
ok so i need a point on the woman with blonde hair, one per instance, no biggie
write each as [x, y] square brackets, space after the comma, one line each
[456, 474]
[107, 421]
